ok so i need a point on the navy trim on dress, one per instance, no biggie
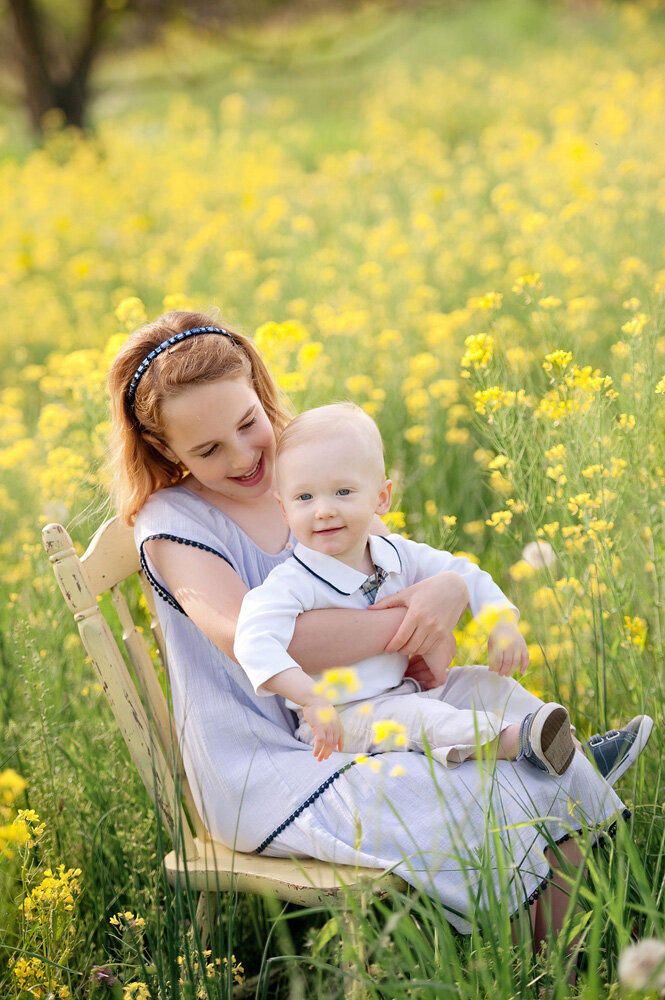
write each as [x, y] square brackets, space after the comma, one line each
[156, 586]
[308, 802]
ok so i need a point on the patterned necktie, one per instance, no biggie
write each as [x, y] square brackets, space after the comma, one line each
[371, 585]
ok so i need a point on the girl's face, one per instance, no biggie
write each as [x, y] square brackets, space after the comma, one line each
[221, 433]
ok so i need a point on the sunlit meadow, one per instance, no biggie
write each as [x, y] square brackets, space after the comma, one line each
[455, 219]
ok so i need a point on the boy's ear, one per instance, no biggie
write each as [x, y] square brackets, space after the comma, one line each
[159, 446]
[385, 493]
[278, 498]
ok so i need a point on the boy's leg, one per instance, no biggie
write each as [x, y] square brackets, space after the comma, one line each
[545, 743]
[478, 687]
[451, 734]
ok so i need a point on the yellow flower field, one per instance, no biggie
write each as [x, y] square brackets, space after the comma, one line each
[427, 273]
[482, 269]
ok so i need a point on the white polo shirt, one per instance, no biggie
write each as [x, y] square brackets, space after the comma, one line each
[310, 580]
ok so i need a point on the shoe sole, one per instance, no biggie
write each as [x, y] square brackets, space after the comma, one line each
[551, 738]
[641, 740]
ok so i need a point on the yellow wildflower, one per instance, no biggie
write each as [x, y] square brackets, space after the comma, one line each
[388, 733]
[499, 520]
[479, 351]
[557, 359]
[395, 520]
[337, 681]
[635, 632]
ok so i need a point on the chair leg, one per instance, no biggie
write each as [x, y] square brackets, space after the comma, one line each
[206, 914]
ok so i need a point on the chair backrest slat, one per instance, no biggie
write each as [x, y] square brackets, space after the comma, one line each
[111, 556]
[144, 669]
[153, 696]
[155, 626]
[80, 589]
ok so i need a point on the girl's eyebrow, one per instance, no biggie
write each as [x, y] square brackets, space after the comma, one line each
[206, 444]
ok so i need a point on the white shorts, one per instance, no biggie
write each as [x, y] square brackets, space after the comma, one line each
[452, 720]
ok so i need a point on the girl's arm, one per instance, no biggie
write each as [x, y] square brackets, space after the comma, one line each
[211, 592]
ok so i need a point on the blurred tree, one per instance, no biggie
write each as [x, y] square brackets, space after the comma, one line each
[56, 53]
[53, 43]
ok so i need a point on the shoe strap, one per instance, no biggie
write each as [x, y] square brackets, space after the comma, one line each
[523, 743]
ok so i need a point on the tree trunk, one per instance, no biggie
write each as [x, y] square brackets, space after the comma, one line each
[45, 88]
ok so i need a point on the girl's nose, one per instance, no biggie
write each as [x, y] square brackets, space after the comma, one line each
[241, 458]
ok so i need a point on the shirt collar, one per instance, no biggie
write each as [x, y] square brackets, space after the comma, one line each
[342, 578]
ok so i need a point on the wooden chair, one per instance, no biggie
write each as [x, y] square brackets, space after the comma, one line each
[145, 720]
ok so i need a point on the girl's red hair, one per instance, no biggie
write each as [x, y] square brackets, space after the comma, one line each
[139, 469]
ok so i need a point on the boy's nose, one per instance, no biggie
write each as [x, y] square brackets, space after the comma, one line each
[325, 510]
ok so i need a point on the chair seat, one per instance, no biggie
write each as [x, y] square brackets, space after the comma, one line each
[305, 880]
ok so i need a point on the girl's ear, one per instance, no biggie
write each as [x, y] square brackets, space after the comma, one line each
[159, 446]
[385, 493]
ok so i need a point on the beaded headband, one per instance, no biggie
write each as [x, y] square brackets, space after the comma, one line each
[147, 361]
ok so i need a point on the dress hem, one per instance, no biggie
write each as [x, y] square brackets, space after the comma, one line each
[543, 884]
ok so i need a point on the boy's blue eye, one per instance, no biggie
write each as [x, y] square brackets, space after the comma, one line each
[344, 492]
[304, 496]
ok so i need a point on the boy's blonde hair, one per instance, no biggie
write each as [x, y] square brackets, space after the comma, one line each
[327, 421]
[139, 468]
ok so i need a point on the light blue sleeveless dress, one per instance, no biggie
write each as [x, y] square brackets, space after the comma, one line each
[259, 789]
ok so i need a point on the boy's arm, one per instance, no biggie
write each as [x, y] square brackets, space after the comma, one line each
[265, 626]
[425, 561]
[264, 630]
[321, 714]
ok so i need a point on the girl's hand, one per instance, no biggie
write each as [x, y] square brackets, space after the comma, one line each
[326, 726]
[433, 608]
[507, 650]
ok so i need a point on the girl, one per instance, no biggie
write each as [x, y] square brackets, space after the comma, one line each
[195, 418]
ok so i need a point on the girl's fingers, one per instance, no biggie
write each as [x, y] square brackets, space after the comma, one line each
[393, 601]
[401, 638]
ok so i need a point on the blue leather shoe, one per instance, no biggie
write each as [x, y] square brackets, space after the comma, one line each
[613, 752]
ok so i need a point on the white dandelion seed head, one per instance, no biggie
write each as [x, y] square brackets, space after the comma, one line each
[642, 967]
[538, 554]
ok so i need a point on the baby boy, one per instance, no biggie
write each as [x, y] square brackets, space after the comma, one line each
[331, 484]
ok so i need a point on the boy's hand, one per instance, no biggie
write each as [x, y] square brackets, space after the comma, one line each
[439, 659]
[326, 726]
[420, 671]
[507, 650]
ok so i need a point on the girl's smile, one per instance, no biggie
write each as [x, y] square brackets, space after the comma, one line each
[254, 475]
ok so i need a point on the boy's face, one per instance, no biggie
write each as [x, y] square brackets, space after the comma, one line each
[330, 491]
